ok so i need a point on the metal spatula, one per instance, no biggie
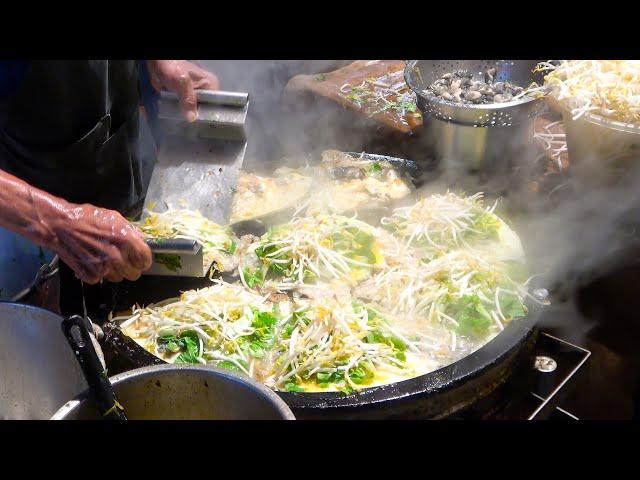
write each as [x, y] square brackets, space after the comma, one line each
[197, 168]
[177, 257]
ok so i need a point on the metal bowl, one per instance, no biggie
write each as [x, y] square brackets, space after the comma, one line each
[185, 392]
[602, 150]
[38, 371]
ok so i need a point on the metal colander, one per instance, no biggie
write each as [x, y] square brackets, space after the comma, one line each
[420, 74]
[493, 142]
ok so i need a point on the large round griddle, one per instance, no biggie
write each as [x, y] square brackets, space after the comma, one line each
[434, 395]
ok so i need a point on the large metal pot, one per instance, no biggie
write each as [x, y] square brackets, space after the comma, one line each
[38, 372]
[185, 392]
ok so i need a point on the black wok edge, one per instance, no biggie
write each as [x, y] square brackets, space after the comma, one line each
[434, 395]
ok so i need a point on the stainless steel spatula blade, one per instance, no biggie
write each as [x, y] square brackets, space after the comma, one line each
[177, 257]
[197, 166]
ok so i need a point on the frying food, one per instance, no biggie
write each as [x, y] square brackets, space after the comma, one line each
[258, 196]
[339, 184]
[331, 303]
[311, 249]
[355, 184]
[440, 223]
[289, 345]
[219, 244]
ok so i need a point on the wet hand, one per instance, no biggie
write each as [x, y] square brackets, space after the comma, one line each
[98, 244]
[183, 78]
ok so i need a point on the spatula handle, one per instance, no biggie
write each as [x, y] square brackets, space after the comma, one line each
[178, 246]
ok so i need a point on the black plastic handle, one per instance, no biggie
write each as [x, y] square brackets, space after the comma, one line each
[180, 246]
[76, 331]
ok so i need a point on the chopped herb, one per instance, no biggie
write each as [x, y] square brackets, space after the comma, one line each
[320, 77]
[293, 387]
[252, 278]
[376, 168]
[232, 247]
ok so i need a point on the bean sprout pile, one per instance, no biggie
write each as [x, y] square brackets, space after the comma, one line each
[315, 248]
[556, 143]
[441, 222]
[609, 88]
[420, 294]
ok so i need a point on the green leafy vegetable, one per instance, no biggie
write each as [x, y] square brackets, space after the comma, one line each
[187, 342]
[252, 277]
[487, 224]
[231, 366]
[231, 247]
[170, 260]
[293, 387]
[376, 168]
[377, 336]
[511, 306]
[517, 271]
[363, 372]
[472, 317]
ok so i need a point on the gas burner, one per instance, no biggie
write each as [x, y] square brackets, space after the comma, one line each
[538, 389]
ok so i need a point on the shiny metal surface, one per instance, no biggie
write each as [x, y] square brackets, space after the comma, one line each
[221, 115]
[198, 162]
[488, 138]
[491, 150]
[197, 174]
[38, 372]
[218, 97]
[188, 253]
[185, 392]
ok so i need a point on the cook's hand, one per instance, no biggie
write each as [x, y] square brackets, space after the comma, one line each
[98, 243]
[183, 78]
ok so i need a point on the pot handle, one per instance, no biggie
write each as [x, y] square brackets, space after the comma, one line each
[84, 347]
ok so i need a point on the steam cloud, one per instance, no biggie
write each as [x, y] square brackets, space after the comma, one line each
[570, 242]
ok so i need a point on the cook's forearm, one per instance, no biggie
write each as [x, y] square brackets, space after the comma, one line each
[27, 210]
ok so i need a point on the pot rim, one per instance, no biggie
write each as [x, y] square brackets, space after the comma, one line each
[143, 372]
